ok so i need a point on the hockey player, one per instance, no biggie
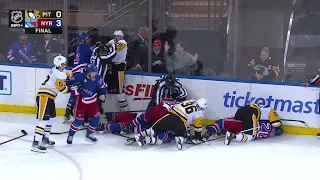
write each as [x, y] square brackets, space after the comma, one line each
[82, 58]
[86, 101]
[182, 115]
[250, 122]
[116, 72]
[101, 58]
[171, 84]
[127, 121]
[46, 112]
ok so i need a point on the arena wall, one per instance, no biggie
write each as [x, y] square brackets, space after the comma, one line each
[18, 87]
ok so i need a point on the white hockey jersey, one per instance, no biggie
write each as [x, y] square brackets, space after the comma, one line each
[54, 83]
[189, 113]
[122, 49]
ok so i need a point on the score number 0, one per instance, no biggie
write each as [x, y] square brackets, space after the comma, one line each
[58, 21]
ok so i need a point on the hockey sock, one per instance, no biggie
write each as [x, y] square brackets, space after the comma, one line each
[47, 129]
[94, 121]
[39, 130]
[111, 127]
[123, 103]
[215, 127]
[164, 138]
[242, 137]
[74, 126]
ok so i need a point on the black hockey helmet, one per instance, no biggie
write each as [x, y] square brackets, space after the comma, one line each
[170, 80]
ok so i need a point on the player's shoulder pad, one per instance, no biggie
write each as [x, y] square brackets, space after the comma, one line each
[59, 74]
[122, 41]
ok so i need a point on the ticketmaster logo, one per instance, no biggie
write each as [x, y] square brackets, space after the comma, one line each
[296, 106]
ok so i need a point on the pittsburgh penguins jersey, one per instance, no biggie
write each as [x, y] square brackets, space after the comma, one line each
[189, 114]
[54, 83]
[121, 48]
[271, 115]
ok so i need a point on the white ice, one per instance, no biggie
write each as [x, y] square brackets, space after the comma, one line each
[282, 158]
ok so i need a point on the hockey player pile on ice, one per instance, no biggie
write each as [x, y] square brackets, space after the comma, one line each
[101, 71]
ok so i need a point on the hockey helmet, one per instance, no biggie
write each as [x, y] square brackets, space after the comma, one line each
[201, 103]
[91, 68]
[59, 61]
[82, 36]
[170, 80]
[118, 33]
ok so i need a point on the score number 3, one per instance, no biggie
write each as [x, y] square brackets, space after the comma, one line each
[189, 107]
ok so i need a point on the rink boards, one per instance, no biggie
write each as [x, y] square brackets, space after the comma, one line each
[18, 87]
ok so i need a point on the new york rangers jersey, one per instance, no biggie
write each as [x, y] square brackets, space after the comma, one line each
[21, 52]
[82, 58]
[265, 129]
[88, 90]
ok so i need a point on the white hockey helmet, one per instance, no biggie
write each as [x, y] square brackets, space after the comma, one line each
[118, 33]
[201, 103]
[59, 60]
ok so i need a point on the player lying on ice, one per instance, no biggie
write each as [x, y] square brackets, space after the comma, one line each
[180, 117]
[128, 121]
[249, 123]
[85, 89]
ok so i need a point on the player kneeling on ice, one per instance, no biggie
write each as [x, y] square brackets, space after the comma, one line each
[177, 120]
[86, 101]
[55, 83]
[249, 123]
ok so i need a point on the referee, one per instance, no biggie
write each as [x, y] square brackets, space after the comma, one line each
[102, 57]
[165, 83]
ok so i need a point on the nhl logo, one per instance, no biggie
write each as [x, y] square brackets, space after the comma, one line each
[16, 16]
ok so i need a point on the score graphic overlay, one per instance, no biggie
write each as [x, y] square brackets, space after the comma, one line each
[43, 21]
[16, 19]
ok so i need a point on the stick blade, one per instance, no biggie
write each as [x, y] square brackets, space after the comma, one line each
[24, 132]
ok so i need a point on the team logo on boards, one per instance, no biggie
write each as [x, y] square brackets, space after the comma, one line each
[5, 83]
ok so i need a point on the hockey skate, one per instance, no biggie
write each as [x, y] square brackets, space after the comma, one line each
[38, 147]
[229, 137]
[47, 142]
[179, 142]
[69, 140]
[153, 137]
[66, 119]
[140, 140]
[91, 138]
[318, 135]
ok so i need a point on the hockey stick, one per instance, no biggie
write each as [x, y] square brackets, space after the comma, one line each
[22, 131]
[65, 132]
[222, 136]
[118, 134]
[298, 121]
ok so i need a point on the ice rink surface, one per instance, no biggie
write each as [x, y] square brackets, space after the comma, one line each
[280, 158]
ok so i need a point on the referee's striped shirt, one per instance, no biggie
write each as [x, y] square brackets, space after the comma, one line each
[101, 60]
[177, 88]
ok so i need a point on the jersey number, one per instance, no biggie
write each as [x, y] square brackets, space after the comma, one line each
[45, 81]
[189, 107]
[264, 131]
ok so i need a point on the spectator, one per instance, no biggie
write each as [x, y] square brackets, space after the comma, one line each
[137, 57]
[264, 68]
[181, 62]
[47, 45]
[22, 50]
[158, 63]
[198, 72]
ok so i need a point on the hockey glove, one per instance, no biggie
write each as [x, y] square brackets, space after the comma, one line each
[102, 98]
[278, 131]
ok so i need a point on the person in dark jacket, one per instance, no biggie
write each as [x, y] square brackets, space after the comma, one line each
[137, 56]
[158, 62]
